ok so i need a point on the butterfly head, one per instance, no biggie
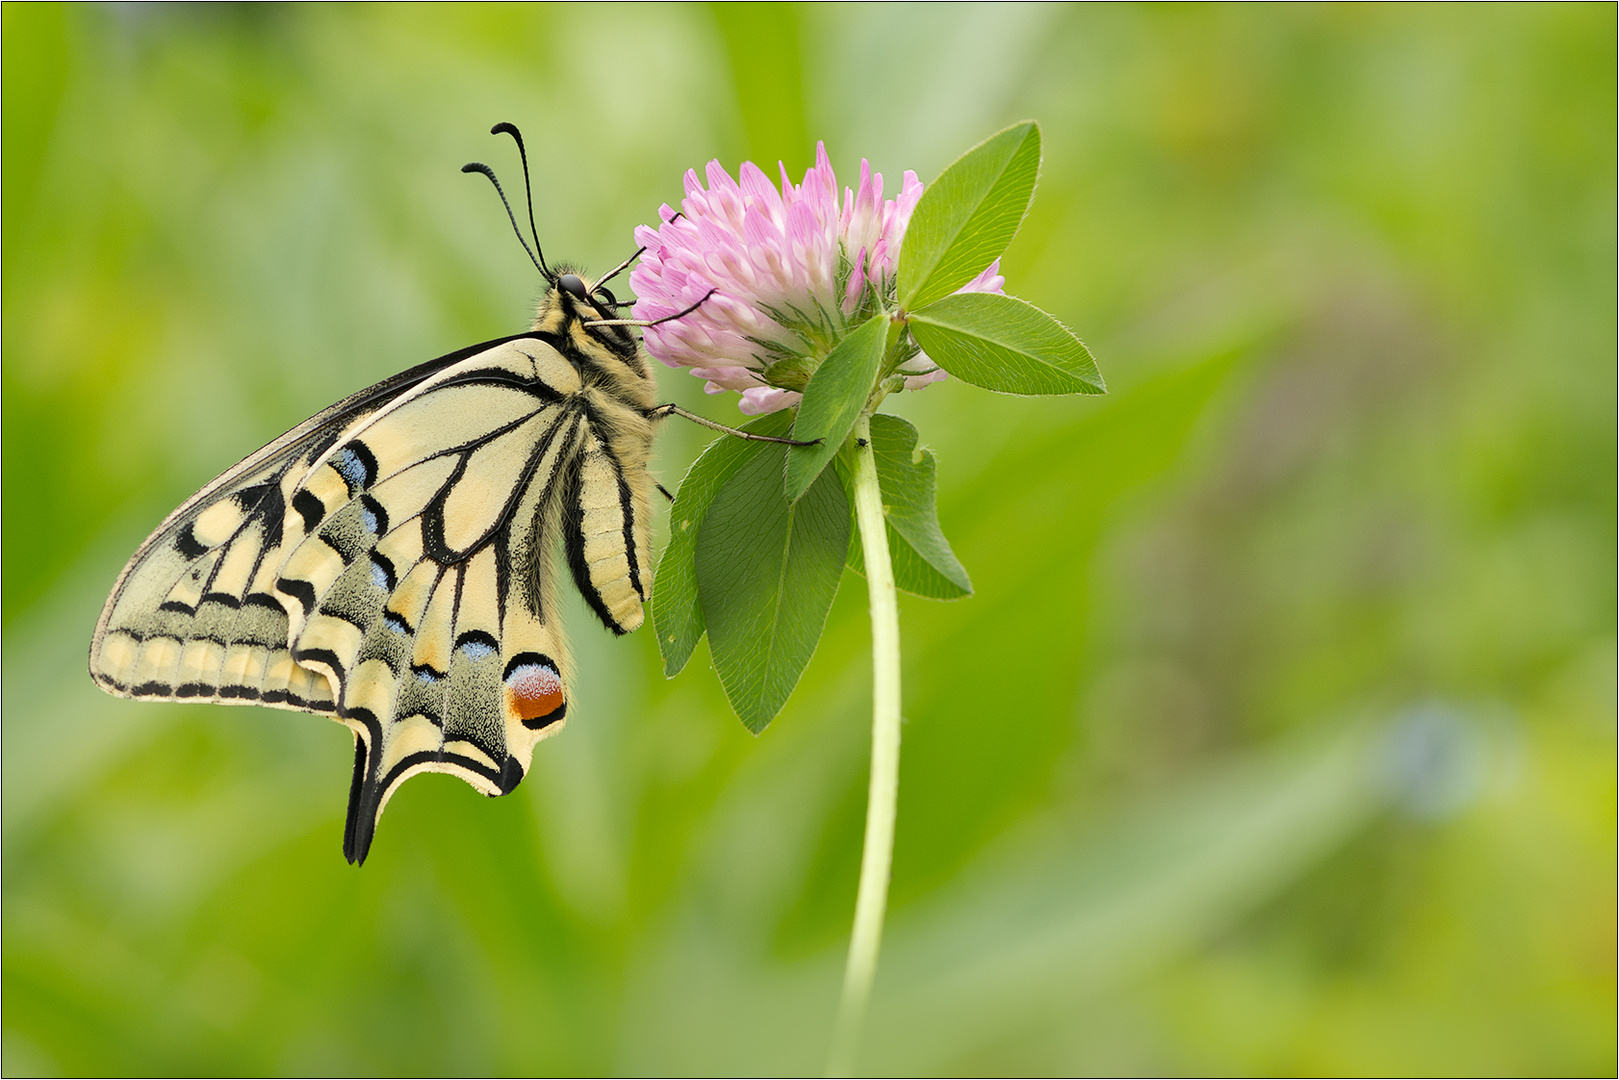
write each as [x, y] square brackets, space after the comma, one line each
[585, 315]
[572, 298]
[589, 303]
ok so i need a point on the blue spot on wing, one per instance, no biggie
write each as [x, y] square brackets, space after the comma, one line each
[373, 516]
[353, 467]
[476, 650]
[476, 645]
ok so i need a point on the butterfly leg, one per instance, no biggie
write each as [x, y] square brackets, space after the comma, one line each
[675, 410]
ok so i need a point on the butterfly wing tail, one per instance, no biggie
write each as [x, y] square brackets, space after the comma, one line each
[454, 673]
[359, 827]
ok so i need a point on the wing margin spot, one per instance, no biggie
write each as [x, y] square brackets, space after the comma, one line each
[534, 690]
[357, 465]
[186, 542]
[373, 516]
[308, 504]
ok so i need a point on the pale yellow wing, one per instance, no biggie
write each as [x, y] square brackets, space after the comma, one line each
[193, 616]
[416, 578]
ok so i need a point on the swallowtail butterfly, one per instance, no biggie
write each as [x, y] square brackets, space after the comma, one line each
[387, 562]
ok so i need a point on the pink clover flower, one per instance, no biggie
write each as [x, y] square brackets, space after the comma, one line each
[786, 271]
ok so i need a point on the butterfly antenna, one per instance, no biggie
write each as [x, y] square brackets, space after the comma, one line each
[620, 268]
[480, 167]
[528, 189]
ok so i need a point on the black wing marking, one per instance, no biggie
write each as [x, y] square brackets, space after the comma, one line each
[193, 616]
[401, 590]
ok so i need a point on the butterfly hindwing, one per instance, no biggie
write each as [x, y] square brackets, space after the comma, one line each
[417, 584]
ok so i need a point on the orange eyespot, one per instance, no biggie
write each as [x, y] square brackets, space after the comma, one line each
[534, 693]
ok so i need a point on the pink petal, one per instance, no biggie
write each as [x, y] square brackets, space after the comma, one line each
[719, 180]
[990, 281]
[857, 282]
[731, 378]
[756, 187]
[826, 179]
[767, 399]
[646, 236]
[916, 382]
[758, 228]
[909, 192]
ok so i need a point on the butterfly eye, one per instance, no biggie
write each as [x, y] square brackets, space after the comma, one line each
[612, 301]
[571, 283]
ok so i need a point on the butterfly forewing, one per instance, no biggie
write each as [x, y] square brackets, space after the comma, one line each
[192, 618]
[194, 615]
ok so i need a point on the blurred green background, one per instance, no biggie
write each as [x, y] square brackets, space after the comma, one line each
[1278, 738]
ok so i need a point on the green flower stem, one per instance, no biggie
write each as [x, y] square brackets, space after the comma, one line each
[878, 855]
